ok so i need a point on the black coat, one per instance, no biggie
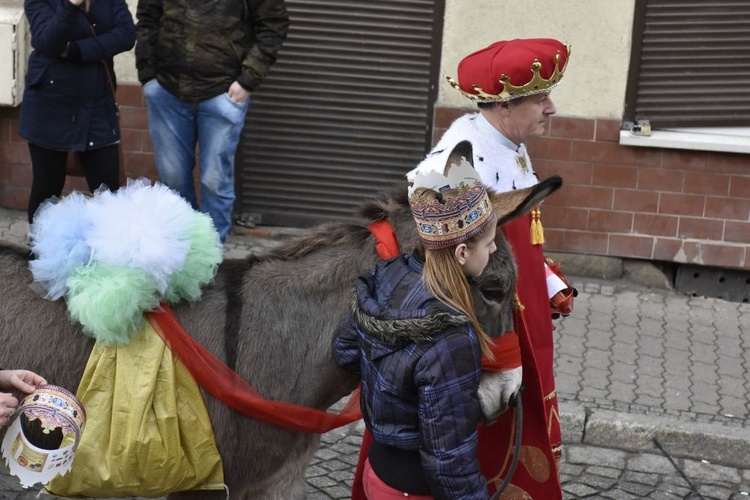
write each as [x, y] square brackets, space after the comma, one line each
[67, 103]
[197, 48]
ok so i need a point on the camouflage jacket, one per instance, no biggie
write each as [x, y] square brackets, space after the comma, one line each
[197, 48]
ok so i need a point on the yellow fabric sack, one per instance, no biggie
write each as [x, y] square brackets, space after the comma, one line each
[147, 431]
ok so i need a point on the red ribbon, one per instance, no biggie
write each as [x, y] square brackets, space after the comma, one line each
[385, 237]
[507, 353]
[224, 384]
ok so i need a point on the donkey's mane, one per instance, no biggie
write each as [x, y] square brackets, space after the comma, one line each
[331, 234]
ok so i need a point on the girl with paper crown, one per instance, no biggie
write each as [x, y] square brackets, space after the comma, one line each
[414, 338]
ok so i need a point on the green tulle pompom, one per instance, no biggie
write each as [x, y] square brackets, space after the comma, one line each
[109, 301]
[202, 260]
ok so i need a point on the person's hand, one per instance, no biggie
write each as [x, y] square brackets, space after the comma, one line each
[237, 93]
[24, 381]
[496, 389]
[19, 381]
[8, 405]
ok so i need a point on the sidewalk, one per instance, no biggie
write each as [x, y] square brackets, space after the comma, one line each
[632, 364]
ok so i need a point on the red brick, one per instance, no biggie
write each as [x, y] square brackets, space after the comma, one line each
[584, 242]
[5, 130]
[20, 175]
[681, 204]
[639, 157]
[747, 258]
[140, 164]
[572, 128]
[728, 208]
[729, 163]
[75, 183]
[130, 95]
[541, 169]
[549, 148]
[132, 117]
[615, 176]
[607, 130]
[566, 218]
[723, 255]
[13, 197]
[131, 140]
[607, 221]
[594, 152]
[589, 196]
[737, 232]
[553, 239]
[655, 225]
[16, 153]
[704, 183]
[14, 137]
[147, 146]
[653, 179]
[624, 245]
[571, 172]
[739, 187]
[636, 201]
[668, 249]
[701, 229]
[679, 159]
[10, 113]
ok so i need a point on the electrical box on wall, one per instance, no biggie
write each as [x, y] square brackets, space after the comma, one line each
[14, 52]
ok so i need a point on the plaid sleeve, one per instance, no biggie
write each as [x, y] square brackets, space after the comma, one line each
[345, 348]
[447, 377]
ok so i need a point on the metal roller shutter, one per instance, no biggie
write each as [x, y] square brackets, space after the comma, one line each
[692, 65]
[345, 112]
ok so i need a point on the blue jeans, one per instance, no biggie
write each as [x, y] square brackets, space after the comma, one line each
[176, 126]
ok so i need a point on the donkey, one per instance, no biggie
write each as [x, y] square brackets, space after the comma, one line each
[271, 318]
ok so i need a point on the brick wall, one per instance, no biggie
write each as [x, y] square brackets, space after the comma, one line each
[646, 203]
[15, 165]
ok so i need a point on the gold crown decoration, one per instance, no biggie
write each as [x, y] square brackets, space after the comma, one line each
[536, 85]
[55, 408]
[451, 207]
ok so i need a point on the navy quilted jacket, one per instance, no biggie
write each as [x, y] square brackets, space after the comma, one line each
[420, 366]
[67, 103]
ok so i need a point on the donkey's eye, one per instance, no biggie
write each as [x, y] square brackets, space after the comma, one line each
[494, 294]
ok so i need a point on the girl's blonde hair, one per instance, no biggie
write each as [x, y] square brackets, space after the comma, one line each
[444, 277]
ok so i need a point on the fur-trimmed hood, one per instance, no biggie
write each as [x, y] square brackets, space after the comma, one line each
[393, 306]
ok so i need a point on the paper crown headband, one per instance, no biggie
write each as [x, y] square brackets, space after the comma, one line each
[450, 207]
[54, 408]
[510, 69]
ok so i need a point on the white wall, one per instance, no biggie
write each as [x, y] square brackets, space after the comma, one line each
[125, 63]
[598, 31]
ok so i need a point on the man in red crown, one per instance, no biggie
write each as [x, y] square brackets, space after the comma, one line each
[511, 82]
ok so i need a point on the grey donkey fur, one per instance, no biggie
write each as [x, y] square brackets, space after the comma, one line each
[272, 319]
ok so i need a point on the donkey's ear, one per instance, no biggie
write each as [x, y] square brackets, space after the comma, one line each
[461, 150]
[511, 204]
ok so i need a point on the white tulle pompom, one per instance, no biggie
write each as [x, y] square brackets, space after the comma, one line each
[141, 226]
[58, 241]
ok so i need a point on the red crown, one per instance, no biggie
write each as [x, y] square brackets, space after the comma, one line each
[509, 69]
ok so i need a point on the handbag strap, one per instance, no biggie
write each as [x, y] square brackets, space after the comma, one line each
[106, 68]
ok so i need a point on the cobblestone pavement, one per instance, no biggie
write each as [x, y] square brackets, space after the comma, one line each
[631, 364]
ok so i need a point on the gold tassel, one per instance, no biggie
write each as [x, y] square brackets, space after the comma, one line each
[537, 231]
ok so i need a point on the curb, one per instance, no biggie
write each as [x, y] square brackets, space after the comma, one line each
[715, 442]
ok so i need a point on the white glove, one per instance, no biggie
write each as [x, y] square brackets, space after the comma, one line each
[496, 390]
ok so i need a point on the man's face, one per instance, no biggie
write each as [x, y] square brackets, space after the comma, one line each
[527, 117]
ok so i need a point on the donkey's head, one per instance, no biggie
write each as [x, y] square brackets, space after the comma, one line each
[494, 289]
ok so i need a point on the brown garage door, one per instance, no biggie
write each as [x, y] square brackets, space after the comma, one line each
[345, 112]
